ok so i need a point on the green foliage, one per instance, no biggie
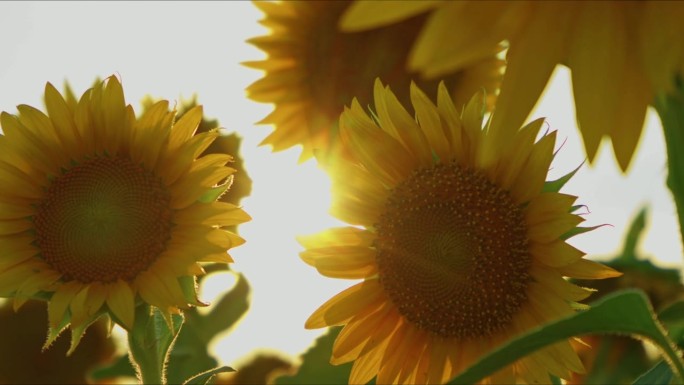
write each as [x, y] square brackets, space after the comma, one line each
[316, 367]
[659, 374]
[627, 312]
[190, 354]
[670, 108]
[150, 340]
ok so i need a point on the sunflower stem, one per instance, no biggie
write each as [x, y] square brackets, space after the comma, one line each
[670, 108]
[150, 342]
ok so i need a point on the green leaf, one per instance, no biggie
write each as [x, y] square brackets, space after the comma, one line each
[659, 374]
[228, 309]
[316, 367]
[625, 312]
[191, 353]
[204, 377]
[673, 314]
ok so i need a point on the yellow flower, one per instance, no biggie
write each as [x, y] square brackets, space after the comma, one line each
[313, 70]
[620, 54]
[100, 210]
[456, 255]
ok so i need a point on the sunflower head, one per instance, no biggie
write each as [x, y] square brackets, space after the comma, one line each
[313, 70]
[621, 55]
[457, 252]
[100, 210]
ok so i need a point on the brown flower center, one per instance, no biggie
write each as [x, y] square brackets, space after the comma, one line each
[102, 220]
[452, 252]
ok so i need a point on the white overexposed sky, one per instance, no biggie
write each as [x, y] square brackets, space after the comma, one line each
[174, 49]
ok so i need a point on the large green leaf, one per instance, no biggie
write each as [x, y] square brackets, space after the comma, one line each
[660, 374]
[626, 312]
[316, 367]
[191, 353]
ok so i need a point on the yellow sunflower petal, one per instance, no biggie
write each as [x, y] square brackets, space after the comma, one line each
[358, 203]
[556, 253]
[634, 98]
[438, 361]
[532, 176]
[511, 164]
[547, 206]
[358, 299]
[596, 57]
[152, 128]
[528, 71]
[554, 282]
[427, 116]
[586, 269]
[364, 369]
[215, 214]
[337, 236]
[121, 301]
[396, 121]
[350, 262]
[185, 127]
[62, 117]
[369, 14]
[660, 26]
[354, 336]
[380, 153]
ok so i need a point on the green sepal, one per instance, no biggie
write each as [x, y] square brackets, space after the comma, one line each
[579, 230]
[189, 288]
[77, 334]
[204, 377]
[557, 185]
[214, 193]
[54, 333]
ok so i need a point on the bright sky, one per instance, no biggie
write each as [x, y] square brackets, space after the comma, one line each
[174, 49]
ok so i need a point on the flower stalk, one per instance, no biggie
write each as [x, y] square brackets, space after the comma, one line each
[150, 342]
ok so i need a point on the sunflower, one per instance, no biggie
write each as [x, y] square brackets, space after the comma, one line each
[312, 70]
[456, 255]
[100, 211]
[620, 54]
